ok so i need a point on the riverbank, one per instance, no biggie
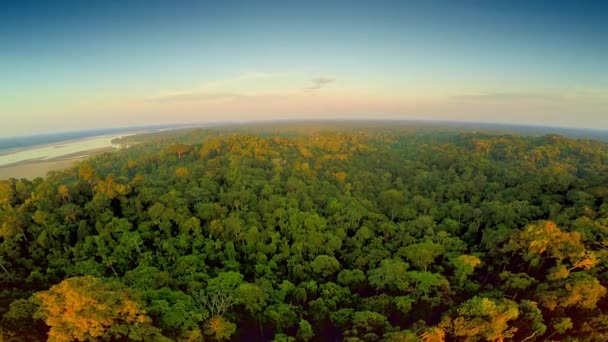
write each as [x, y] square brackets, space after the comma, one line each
[37, 161]
[31, 169]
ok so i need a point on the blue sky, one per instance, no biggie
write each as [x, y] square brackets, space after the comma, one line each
[86, 64]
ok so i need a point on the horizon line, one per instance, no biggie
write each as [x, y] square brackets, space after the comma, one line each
[201, 124]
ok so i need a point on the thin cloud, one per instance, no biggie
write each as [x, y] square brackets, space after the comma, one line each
[206, 97]
[222, 90]
[318, 83]
[258, 74]
[587, 93]
[215, 90]
[195, 96]
[507, 97]
[584, 95]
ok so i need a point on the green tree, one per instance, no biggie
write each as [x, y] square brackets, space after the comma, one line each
[391, 201]
[421, 255]
[325, 265]
[392, 274]
[305, 332]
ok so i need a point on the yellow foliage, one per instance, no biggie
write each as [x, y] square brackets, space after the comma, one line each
[340, 176]
[588, 261]
[305, 152]
[560, 272]
[181, 172]
[470, 260]
[484, 318]
[584, 294]
[582, 291]
[194, 335]
[82, 308]
[434, 334]
[220, 328]
[5, 192]
[137, 179]
[547, 237]
[63, 191]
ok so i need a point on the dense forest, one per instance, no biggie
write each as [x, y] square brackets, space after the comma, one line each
[312, 234]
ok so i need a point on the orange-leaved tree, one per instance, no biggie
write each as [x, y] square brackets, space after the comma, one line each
[85, 308]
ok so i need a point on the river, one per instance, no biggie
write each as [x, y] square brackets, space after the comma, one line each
[59, 149]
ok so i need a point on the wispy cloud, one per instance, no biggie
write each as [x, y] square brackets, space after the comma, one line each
[318, 83]
[261, 74]
[575, 94]
[216, 90]
[247, 86]
[209, 96]
[194, 96]
[506, 97]
[587, 93]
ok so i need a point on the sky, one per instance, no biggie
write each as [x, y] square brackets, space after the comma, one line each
[72, 65]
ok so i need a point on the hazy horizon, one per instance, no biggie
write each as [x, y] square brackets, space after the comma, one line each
[72, 66]
[101, 131]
